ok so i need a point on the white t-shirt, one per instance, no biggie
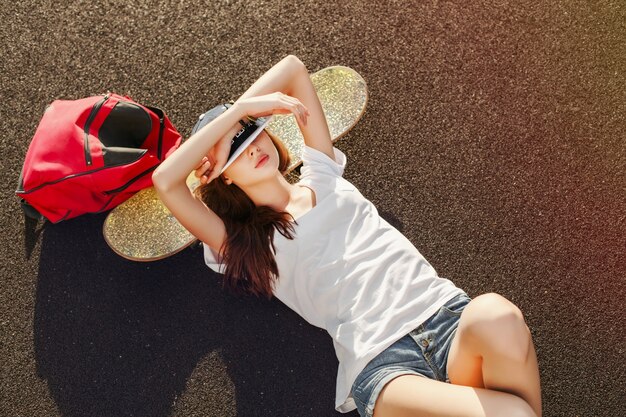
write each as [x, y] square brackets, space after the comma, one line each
[351, 273]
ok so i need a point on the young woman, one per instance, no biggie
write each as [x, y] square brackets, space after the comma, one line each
[409, 343]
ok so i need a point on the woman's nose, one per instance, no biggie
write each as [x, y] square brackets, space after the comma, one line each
[254, 149]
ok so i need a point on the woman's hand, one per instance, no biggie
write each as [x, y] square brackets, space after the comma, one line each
[203, 170]
[274, 103]
[211, 165]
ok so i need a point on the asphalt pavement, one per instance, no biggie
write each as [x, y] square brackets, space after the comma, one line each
[494, 139]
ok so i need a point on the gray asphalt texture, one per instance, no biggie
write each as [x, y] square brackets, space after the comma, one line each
[494, 139]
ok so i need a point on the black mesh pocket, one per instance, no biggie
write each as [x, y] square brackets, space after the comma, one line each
[123, 132]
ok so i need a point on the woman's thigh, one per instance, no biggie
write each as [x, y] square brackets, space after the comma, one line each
[410, 395]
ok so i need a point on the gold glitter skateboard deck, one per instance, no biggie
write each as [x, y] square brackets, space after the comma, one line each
[143, 229]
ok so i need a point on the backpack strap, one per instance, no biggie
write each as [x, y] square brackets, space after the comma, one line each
[161, 115]
[30, 211]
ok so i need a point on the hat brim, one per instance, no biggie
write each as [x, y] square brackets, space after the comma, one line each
[261, 122]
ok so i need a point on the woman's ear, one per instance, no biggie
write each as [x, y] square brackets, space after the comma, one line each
[227, 180]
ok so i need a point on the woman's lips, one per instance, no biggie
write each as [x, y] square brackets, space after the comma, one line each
[262, 161]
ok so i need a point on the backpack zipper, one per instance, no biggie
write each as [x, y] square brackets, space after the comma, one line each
[161, 128]
[132, 180]
[92, 115]
[161, 115]
[67, 177]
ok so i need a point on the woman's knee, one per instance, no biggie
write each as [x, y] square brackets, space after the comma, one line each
[497, 324]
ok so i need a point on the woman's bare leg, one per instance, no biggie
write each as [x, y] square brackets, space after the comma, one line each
[493, 349]
[415, 396]
[491, 364]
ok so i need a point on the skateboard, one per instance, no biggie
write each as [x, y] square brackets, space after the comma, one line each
[143, 229]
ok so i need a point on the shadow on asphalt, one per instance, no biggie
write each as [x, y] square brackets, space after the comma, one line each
[32, 233]
[115, 337]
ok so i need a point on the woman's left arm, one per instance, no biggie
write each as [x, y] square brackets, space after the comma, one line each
[290, 76]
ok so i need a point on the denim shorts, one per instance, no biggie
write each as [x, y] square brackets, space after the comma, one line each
[423, 351]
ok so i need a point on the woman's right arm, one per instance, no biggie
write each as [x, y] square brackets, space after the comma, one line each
[169, 179]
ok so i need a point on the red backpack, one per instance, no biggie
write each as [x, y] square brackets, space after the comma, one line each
[92, 154]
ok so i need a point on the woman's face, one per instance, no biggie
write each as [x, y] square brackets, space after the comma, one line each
[257, 163]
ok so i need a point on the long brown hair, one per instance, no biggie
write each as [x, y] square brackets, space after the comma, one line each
[248, 251]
